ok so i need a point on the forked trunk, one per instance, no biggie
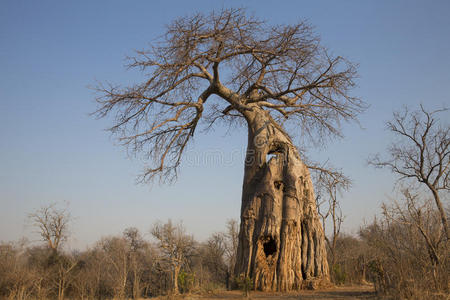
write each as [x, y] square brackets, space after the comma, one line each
[281, 240]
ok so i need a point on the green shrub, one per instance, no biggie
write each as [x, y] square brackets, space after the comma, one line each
[245, 284]
[185, 281]
[339, 274]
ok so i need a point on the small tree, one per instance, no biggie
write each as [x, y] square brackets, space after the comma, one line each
[329, 184]
[421, 153]
[214, 252]
[136, 244]
[176, 247]
[231, 245]
[52, 224]
[116, 250]
[86, 281]
[64, 268]
[53, 227]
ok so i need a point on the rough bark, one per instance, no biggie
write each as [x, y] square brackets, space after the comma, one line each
[281, 240]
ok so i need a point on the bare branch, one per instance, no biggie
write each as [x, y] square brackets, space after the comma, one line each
[52, 224]
[245, 62]
[421, 153]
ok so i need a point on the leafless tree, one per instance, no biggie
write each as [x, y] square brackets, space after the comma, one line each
[39, 264]
[214, 257]
[408, 250]
[329, 183]
[53, 227]
[52, 224]
[250, 66]
[116, 251]
[231, 245]
[136, 244]
[228, 66]
[421, 153]
[421, 215]
[86, 280]
[176, 246]
[352, 255]
[64, 269]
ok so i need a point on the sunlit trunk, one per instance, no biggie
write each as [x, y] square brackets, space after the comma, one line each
[281, 240]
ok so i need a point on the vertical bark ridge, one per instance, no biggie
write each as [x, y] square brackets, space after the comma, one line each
[281, 238]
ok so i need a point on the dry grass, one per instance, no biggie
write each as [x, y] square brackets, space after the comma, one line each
[347, 293]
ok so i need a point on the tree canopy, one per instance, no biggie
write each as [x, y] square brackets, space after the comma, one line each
[222, 66]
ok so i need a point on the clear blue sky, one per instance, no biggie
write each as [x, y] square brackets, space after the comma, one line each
[51, 150]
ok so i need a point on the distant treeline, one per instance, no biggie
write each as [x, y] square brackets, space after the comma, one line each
[120, 267]
[390, 252]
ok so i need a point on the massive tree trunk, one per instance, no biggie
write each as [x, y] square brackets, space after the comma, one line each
[281, 240]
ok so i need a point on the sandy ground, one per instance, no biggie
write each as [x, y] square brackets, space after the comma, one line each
[347, 293]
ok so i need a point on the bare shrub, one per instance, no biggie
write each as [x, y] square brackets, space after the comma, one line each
[409, 252]
[16, 280]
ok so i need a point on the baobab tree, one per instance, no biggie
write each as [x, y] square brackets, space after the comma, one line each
[273, 80]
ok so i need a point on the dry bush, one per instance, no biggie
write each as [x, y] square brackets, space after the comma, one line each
[119, 267]
[401, 263]
[16, 280]
[350, 261]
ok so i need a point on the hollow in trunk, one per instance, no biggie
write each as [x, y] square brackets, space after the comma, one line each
[281, 240]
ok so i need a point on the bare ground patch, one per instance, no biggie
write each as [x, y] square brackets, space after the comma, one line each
[347, 293]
